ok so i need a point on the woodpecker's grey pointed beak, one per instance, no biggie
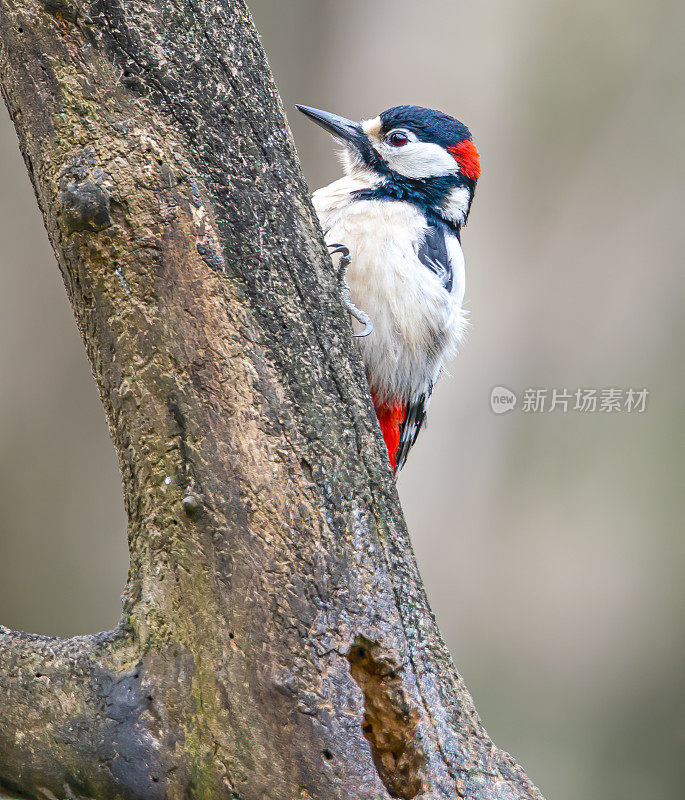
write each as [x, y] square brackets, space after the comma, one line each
[342, 128]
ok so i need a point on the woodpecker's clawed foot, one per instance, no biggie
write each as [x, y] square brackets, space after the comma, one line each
[343, 264]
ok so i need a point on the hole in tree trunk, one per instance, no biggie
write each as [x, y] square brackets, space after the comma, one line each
[389, 720]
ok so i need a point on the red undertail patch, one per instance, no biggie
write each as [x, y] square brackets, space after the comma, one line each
[390, 419]
[466, 155]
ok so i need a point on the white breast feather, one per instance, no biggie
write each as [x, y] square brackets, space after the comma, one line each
[417, 323]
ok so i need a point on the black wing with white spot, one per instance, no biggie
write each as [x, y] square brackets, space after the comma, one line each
[416, 414]
[433, 253]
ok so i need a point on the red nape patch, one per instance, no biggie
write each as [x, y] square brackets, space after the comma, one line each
[466, 155]
[390, 419]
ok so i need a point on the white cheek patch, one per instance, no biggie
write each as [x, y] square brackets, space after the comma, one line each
[456, 205]
[418, 159]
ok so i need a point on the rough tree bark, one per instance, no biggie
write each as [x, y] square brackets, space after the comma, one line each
[275, 640]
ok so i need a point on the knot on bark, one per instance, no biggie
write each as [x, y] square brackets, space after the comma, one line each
[61, 9]
[85, 201]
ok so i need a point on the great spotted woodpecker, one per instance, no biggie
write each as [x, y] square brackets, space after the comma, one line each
[394, 221]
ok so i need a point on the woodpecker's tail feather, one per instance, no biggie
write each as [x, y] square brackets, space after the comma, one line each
[400, 425]
[411, 425]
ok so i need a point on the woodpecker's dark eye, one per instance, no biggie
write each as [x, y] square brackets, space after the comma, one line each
[397, 139]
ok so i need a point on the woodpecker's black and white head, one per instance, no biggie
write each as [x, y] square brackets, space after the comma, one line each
[412, 154]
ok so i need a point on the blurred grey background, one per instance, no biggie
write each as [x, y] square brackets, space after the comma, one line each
[551, 544]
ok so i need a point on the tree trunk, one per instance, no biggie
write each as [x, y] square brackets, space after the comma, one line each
[275, 640]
